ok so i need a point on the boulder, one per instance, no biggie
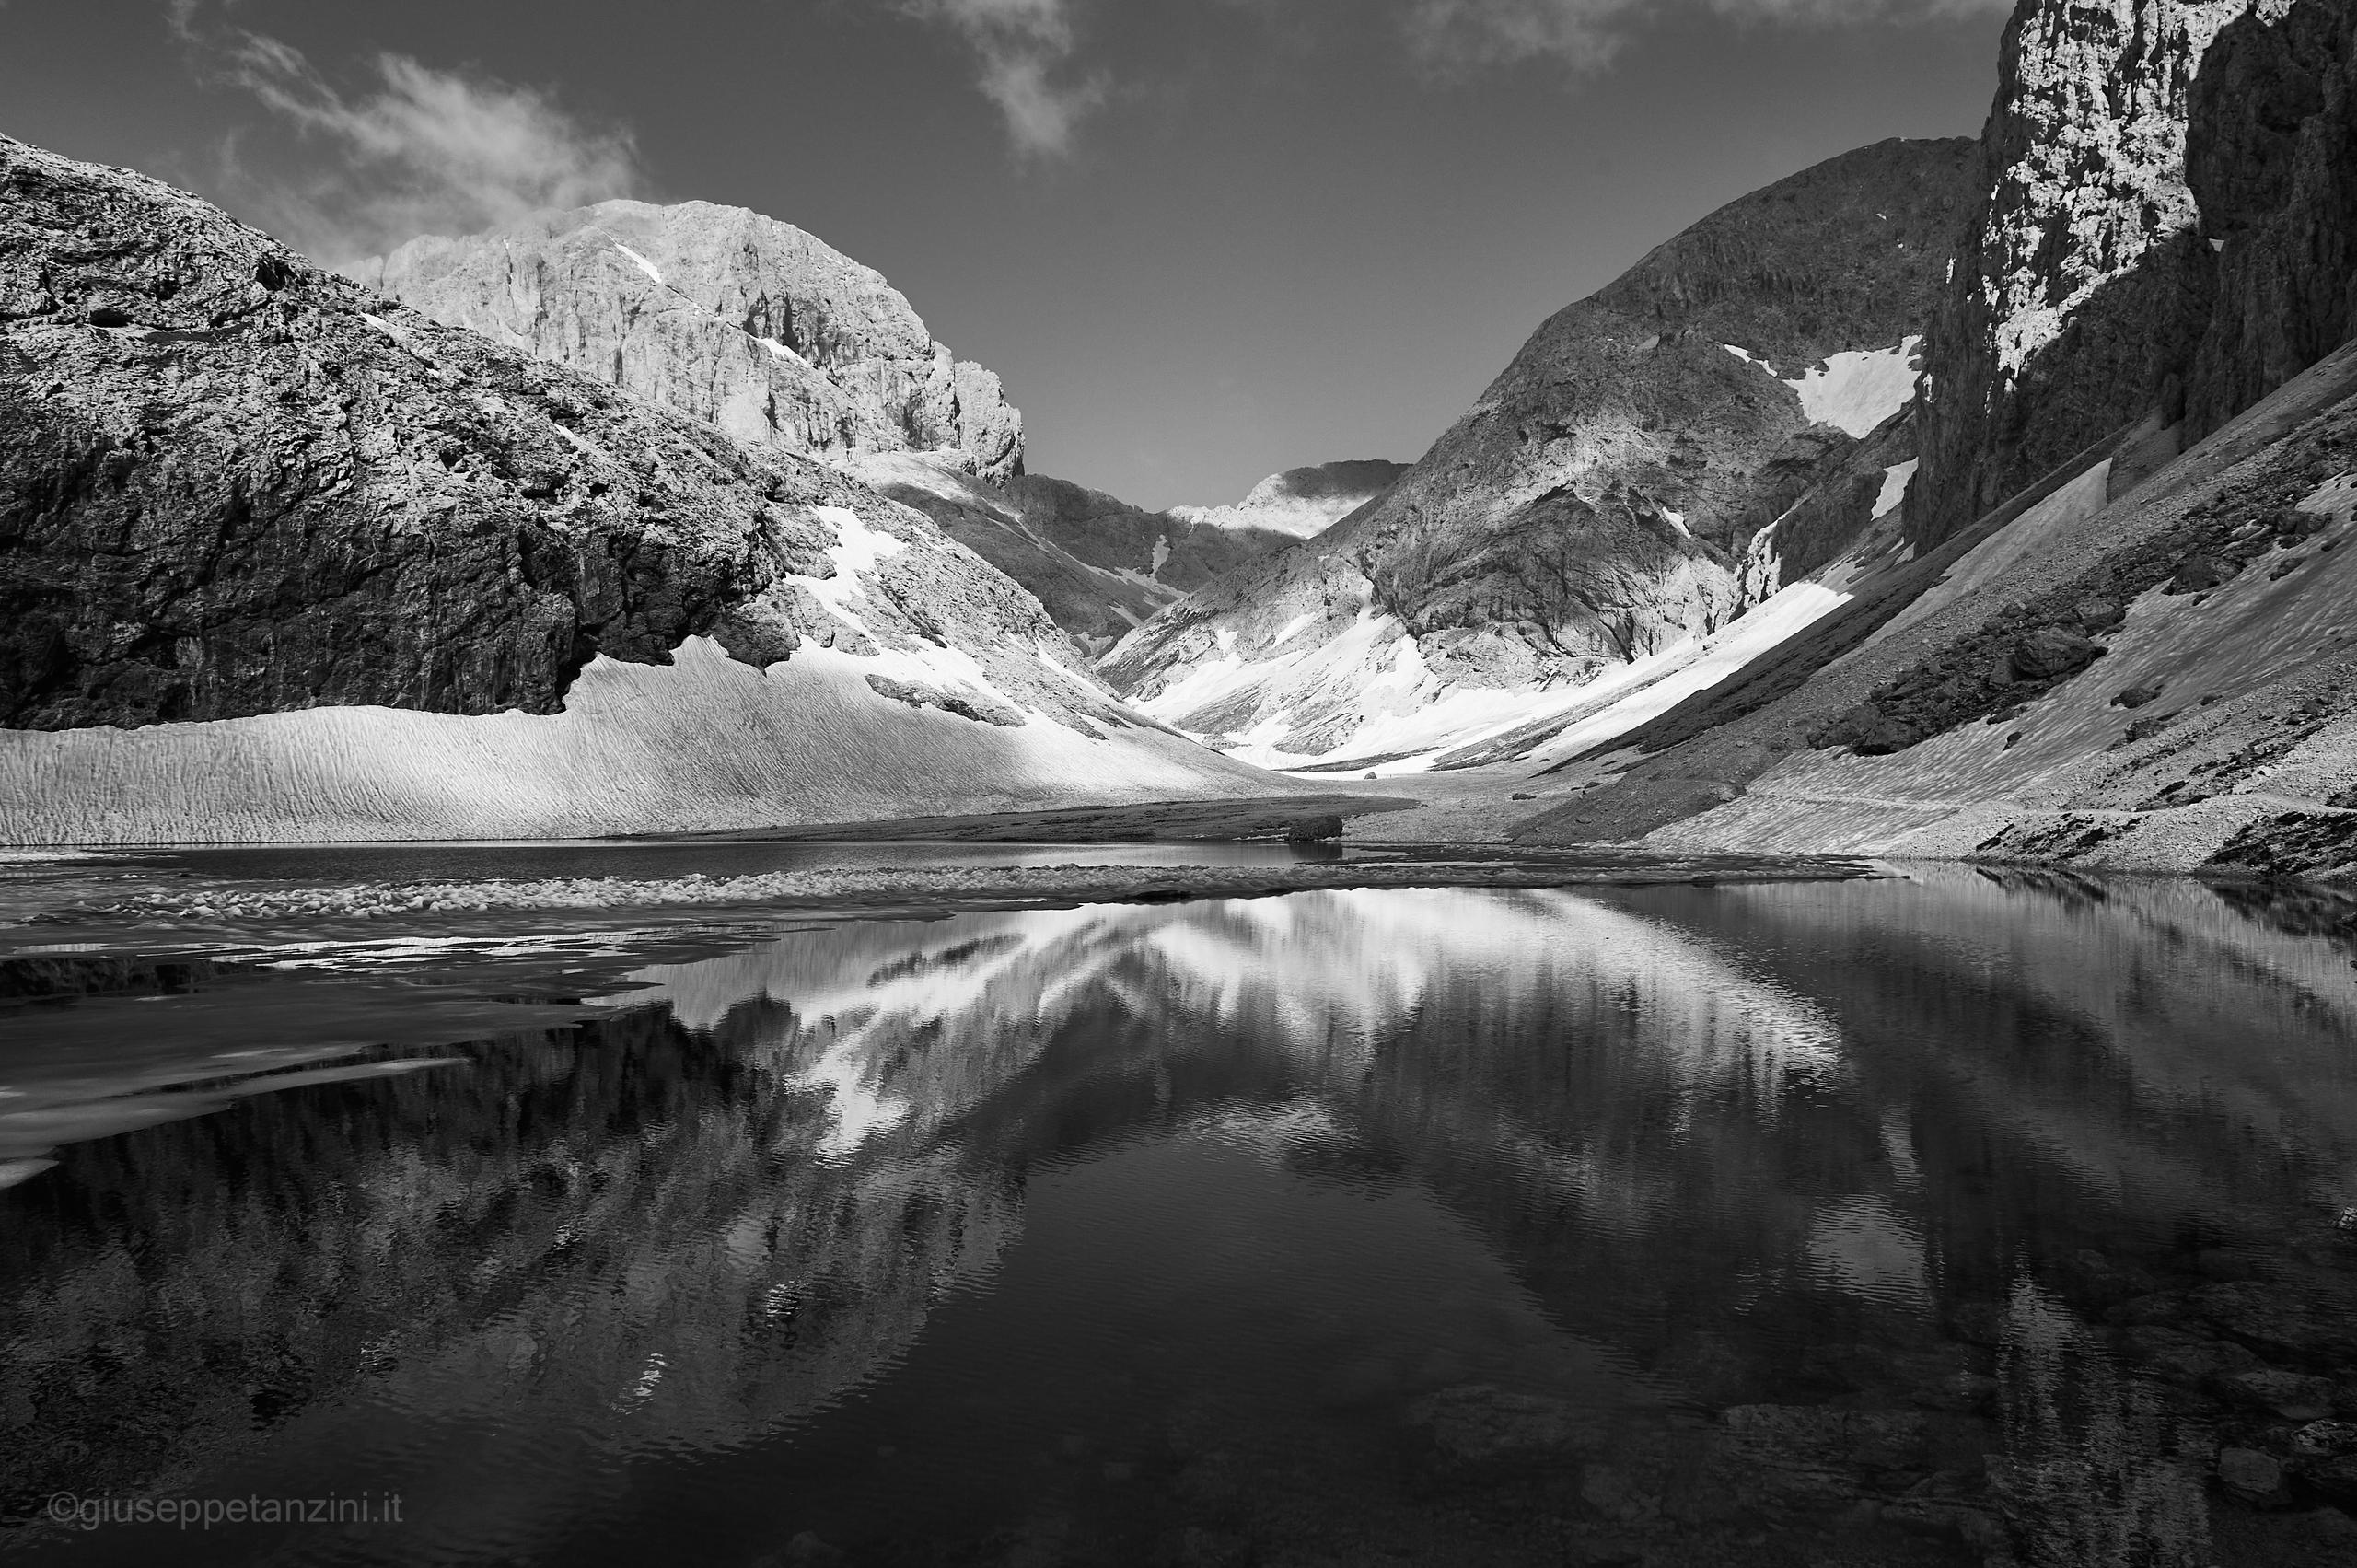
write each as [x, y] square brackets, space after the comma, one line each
[2250, 1475]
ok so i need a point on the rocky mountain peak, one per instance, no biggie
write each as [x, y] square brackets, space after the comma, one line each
[1848, 252]
[724, 314]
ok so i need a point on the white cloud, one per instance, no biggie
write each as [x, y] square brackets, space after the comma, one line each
[1455, 37]
[418, 151]
[1020, 49]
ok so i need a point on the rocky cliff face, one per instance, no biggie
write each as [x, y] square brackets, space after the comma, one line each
[736, 319]
[1595, 508]
[237, 491]
[2271, 156]
[2083, 284]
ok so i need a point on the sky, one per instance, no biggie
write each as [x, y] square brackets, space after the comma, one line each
[1200, 241]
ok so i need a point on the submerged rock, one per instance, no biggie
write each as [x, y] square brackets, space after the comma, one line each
[1478, 1421]
[2250, 1475]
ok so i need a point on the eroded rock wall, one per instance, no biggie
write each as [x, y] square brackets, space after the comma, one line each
[2271, 155]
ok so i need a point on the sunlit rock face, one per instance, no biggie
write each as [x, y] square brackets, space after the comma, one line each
[1593, 509]
[2083, 284]
[722, 314]
[288, 560]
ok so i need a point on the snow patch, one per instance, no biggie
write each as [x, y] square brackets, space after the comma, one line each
[1857, 390]
[1895, 480]
[1677, 672]
[643, 264]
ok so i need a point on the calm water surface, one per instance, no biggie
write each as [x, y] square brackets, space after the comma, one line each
[1957, 1219]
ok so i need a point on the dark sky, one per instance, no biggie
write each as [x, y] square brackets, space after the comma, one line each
[1200, 239]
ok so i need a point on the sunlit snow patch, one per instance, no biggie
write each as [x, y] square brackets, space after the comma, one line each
[1857, 392]
[1895, 480]
[644, 264]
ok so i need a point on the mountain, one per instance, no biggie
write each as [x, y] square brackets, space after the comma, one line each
[283, 559]
[1101, 565]
[736, 319]
[2144, 657]
[1596, 508]
[756, 326]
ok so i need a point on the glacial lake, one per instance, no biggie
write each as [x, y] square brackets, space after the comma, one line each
[1953, 1217]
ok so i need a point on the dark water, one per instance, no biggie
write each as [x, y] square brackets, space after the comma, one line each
[1953, 1220]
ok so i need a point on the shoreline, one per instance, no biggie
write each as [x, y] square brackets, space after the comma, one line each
[856, 890]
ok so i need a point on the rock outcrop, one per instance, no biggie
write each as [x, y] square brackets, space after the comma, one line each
[1596, 507]
[736, 319]
[280, 557]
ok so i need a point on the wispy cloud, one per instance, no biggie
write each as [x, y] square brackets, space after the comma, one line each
[413, 150]
[1022, 53]
[1030, 54]
[1458, 37]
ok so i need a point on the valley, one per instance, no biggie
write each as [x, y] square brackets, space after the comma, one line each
[1939, 500]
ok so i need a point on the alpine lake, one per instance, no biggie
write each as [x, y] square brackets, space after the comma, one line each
[1940, 1216]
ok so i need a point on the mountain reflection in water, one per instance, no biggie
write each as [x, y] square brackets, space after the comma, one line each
[1929, 1220]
